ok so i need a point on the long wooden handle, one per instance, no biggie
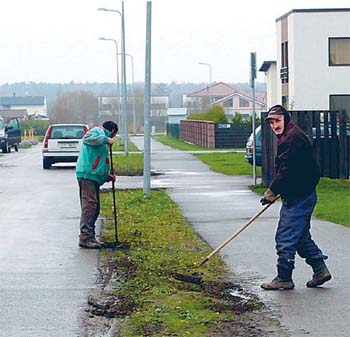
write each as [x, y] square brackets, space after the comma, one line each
[241, 229]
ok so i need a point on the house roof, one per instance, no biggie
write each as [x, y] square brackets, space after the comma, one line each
[177, 111]
[312, 10]
[266, 65]
[259, 97]
[217, 89]
[22, 100]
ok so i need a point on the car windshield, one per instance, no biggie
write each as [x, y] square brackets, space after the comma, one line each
[67, 132]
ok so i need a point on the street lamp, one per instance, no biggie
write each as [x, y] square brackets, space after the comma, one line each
[133, 90]
[210, 78]
[118, 88]
[125, 103]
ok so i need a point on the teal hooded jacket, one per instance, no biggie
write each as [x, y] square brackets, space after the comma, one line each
[93, 161]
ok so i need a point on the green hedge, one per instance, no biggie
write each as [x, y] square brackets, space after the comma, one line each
[215, 114]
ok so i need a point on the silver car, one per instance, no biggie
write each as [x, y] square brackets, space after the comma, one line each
[62, 143]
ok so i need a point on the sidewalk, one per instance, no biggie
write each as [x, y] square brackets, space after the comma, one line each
[216, 205]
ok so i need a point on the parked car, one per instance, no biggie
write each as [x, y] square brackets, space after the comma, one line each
[62, 143]
[249, 148]
[10, 134]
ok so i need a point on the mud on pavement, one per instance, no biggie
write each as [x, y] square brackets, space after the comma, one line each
[106, 309]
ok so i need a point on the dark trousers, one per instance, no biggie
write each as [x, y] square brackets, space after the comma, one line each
[293, 234]
[89, 192]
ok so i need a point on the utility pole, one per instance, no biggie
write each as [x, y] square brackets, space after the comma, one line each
[125, 99]
[147, 113]
[252, 83]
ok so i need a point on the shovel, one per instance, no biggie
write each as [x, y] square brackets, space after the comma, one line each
[197, 279]
[116, 244]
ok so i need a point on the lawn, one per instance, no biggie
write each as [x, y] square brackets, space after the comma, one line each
[228, 163]
[182, 145]
[118, 146]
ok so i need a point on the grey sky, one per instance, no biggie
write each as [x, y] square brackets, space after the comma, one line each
[57, 40]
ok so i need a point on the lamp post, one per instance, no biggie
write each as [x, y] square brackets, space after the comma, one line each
[133, 90]
[118, 88]
[123, 75]
[210, 79]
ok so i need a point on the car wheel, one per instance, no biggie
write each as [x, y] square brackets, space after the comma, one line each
[5, 148]
[16, 147]
[9, 149]
[46, 163]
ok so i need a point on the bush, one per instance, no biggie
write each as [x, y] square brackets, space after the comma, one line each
[39, 126]
[215, 114]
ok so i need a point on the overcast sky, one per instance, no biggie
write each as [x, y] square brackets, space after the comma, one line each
[57, 40]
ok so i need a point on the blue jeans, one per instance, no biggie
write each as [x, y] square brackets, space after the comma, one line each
[293, 233]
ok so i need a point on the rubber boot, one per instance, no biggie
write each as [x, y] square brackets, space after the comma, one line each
[89, 241]
[283, 281]
[321, 273]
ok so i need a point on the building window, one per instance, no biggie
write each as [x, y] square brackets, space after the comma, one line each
[339, 51]
[339, 102]
[243, 103]
[284, 62]
[228, 103]
[285, 102]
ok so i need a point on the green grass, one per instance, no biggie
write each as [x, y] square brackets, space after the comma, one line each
[228, 163]
[128, 166]
[161, 241]
[182, 145]
[118, 146]
[333, 200]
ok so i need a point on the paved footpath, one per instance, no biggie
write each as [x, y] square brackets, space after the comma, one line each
[217, 205]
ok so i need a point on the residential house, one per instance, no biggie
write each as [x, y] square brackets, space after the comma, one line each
[35, 106]
[270, 70]
[232, 99]
[313, 60]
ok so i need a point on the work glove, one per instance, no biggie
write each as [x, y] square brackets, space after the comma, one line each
[112, 177]
[269, 197]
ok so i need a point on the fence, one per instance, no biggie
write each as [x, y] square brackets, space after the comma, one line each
[173, 130]
[328, 131]
[213, 135]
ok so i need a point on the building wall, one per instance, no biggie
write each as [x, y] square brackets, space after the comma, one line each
[311, 79]
[32, 109]
[271, 84]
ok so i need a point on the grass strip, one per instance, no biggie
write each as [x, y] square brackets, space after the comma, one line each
[182, 145]
[333, 200]
[228, 163]
[118, 146]
[161, 241]
[132, 165]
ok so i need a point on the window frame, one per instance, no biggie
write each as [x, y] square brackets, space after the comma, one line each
[330, 64]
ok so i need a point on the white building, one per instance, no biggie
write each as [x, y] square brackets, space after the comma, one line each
[175, 115]
[313, 59]
[35, 106]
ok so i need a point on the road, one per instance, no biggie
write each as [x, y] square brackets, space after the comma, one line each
[44, 276]
[217, 205]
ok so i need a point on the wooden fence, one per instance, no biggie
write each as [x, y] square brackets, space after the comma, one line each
[329, 134]
[215, 135]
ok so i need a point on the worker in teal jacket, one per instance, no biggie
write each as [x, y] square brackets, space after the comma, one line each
[93, 170]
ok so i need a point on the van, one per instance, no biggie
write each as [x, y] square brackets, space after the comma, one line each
[10, 134]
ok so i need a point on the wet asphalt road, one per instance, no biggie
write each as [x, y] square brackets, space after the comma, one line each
[44, 276]
[217, 205]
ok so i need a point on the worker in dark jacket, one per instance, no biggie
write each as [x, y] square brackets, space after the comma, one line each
[93, 170]
[297, 175]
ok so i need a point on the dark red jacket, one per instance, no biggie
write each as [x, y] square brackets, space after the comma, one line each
[297, 173]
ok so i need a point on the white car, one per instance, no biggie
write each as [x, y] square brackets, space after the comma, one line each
[62, 143]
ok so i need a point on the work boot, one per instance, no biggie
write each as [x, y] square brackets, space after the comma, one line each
[90, 244]
[319, 278]
[278, 284]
